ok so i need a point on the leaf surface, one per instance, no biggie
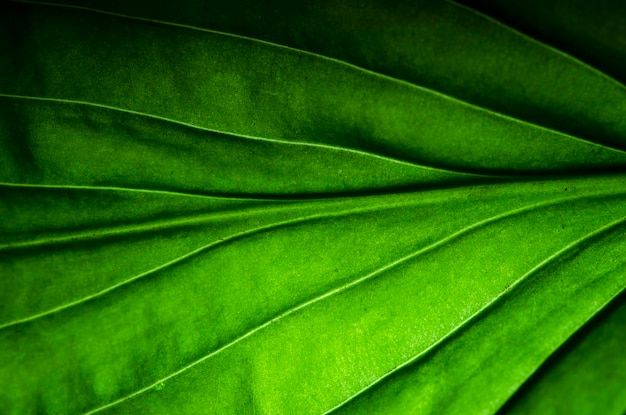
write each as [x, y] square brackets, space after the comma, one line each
[215, 208]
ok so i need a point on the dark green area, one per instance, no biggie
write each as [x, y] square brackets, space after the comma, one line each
[587, 373]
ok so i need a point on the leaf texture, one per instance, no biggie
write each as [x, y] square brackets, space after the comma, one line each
[364, 207]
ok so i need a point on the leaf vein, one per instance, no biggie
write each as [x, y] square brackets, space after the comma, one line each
[540, 43]
[202, 249]
[598, 310]
[253, 138]
[476, 315]
[344, 63]
[344, 287]
[150, 191]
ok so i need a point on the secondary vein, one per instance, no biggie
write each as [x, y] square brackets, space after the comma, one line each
[250, 137]
[538, 42]
[354, 283]
[476, 315]
[340, 62]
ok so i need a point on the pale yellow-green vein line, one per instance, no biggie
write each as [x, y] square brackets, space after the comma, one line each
[151, 191]
[250, 137]
[212, 245]
[480, 311]
[598, 309]
[540, 43]
[342, 288]
[338, 61]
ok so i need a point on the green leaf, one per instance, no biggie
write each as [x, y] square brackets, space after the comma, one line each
[354, 207]
[586, 374]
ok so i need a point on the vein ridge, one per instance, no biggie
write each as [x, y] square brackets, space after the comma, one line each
[254, 138]
[356, 67]
[356, 282]
[541, 43]
[476, 315]
[595, 312]
[138, 190]
[202, 249]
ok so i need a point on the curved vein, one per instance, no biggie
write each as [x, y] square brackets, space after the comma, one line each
[598, 310]
[540, 43]
[337, 61]
[476, 315]
[90, 234]
[250, 137]
[95, 233]
[202, 249]
[345, 287]
[141, 190]
[286, 198]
